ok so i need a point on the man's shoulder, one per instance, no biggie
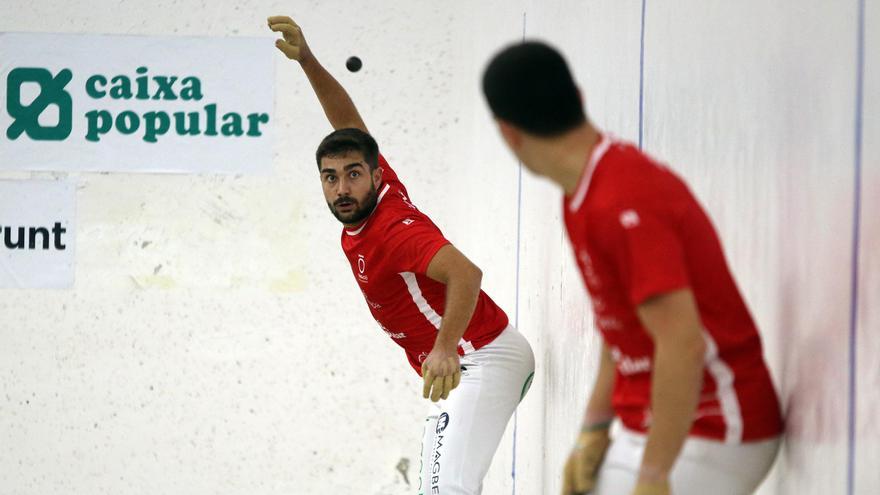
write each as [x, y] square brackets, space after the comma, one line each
[625, 162]
[396, 212]
[629, 177]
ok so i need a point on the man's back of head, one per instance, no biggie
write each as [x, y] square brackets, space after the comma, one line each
[530, 86]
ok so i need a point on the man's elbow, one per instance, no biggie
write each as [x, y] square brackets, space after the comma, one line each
[470, 273]
[694, 349]
[697, 349]
[475, 274]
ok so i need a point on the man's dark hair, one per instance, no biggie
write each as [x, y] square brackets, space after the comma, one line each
[342, 141]
[530, 86]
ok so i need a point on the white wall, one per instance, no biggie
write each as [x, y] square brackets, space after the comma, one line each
[214, 341]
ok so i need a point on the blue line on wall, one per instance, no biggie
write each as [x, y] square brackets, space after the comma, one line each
[856, 240]
[642, 75]
[516, 304]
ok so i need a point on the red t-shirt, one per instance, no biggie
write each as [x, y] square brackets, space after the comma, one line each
[389, 255]
[637, 231]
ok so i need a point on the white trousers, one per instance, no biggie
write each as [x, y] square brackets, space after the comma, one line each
[462, 433]
[703, 467]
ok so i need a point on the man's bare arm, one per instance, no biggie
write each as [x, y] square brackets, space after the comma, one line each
[462, 279]
[337, 104]
[673, 321]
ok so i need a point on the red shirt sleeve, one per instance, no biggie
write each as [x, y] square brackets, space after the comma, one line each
[647, 251]
[413, 242]
[388, 173]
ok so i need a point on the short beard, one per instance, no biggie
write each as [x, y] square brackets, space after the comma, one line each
[361, 213]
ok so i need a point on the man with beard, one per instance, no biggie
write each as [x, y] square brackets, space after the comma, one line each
[422, 291]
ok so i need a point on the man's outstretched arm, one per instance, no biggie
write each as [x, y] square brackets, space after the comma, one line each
[337, 105]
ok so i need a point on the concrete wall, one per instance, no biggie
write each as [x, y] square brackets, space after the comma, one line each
[215, 343]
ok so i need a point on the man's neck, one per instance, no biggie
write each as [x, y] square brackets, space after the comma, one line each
[565, 157]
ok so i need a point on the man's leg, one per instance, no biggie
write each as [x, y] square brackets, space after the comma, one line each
[427, 446]
[620, 468]
[704, 466]
[472, 421]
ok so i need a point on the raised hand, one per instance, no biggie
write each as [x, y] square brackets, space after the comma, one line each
[293, 45]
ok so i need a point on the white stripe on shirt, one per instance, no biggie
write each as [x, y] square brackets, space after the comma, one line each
[583, 186]
[433, 318]
[723, 376]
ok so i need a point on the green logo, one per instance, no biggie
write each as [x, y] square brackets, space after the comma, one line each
[26, 118]
[189, 115]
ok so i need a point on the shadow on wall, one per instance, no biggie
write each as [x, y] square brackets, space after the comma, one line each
[813, 330]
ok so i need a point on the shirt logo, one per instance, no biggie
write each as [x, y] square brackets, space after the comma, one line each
[592, 279]
[608, 323]
[628, 365]
[391, 334]
[362, 267]
[408, 221]
[372, 304]
[406, 200]
[629, 219]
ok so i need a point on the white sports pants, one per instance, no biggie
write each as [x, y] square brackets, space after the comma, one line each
[703, 467]
[462, 433]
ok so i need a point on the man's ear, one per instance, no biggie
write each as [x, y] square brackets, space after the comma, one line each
[512, 136]
[377, 176]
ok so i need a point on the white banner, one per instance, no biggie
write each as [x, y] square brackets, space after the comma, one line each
[136, 104]
[37, 234]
